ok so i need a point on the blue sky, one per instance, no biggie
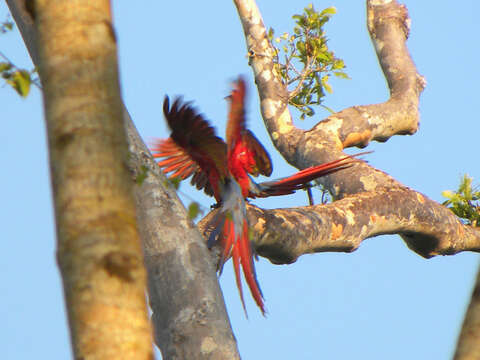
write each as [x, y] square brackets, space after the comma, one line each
[382, 301]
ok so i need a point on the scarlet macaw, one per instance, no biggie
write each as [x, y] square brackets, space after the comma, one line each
[223, 170]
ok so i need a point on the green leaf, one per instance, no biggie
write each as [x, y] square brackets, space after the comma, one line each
[270, 34]
[341, 75]
[309, 111]
[332, 10]
[328, 88]
[5, 66]
[301, 47]
[193, 210]
[464, 202]
[448, 194]
[323, 56]
[175, 182]
[20, 81]
[326, 85]
[338, 64]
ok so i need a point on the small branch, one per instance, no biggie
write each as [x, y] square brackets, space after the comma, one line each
[307, 71]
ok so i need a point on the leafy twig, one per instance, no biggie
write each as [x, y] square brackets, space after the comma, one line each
[465, 202]
[308, 48]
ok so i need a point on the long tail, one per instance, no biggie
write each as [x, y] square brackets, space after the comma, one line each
[231, 229]
[240, 249]
[300, 180]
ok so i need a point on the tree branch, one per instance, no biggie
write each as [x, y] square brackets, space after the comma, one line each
[189, 312]
[388, 25]
[282, 235]
[467, 344]
[381, 205]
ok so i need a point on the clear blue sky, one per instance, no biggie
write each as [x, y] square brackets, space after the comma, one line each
[380, 302]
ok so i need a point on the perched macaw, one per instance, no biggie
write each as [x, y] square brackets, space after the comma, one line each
[223, 170]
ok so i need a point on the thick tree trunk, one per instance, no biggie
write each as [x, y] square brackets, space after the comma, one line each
[99, 250]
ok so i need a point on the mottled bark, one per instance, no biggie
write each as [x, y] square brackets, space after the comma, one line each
[377, 208]
[468, 347]
[372, 202]
[282, 235]
[188, 308]
[189, 313]
[98, 247]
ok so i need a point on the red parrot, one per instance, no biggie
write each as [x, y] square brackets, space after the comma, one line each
[223, 170]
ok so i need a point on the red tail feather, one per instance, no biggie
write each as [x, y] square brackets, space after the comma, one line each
[237, 260]
[249, 268]
[240, 250]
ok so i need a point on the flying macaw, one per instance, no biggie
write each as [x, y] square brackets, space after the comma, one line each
[223, 171]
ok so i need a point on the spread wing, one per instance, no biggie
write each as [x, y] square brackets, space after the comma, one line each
[193, 149]
[263, 163]
[238, 133]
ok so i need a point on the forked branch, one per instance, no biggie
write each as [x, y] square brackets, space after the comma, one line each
[373, 202]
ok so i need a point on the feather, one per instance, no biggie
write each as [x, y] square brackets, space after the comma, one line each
[192, 149]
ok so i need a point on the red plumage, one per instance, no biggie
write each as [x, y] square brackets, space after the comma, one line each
[223, 170]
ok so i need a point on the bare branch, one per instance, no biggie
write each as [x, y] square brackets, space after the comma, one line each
[282, 235]
[427, 229]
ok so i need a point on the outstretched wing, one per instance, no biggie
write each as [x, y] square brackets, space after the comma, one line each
[242, 142]
[192, 148]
